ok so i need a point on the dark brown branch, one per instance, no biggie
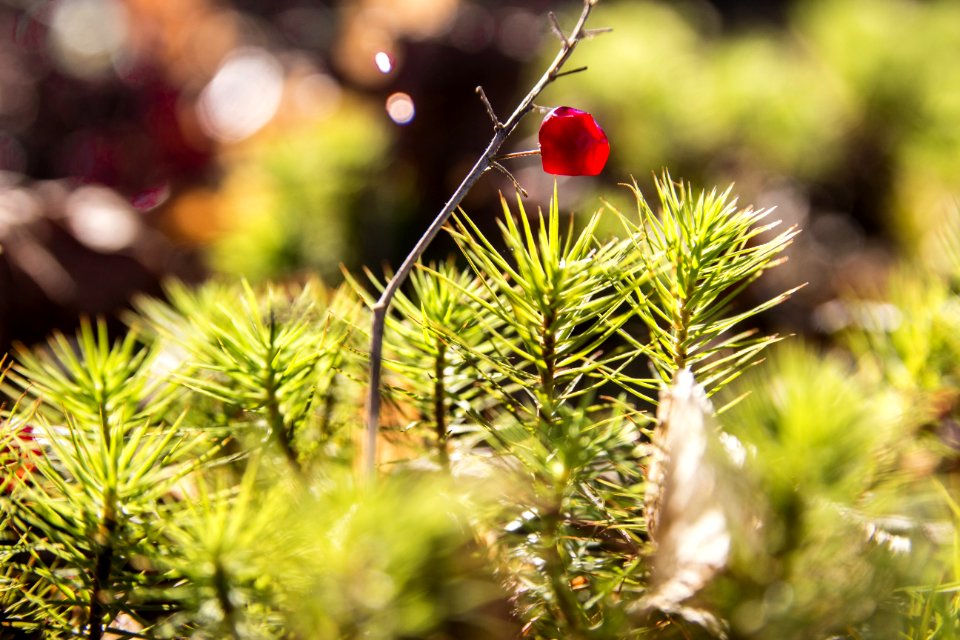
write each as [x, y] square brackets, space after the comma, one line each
[100, 592]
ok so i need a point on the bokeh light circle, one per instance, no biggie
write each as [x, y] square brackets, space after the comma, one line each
[400, 108]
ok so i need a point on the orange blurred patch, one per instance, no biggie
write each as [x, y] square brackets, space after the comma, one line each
[188, 37]
[195, 217]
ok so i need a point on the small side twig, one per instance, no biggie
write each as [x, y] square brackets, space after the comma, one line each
[517, 154]
[559, 74]
[592, 33]
[497, 125]
[556, 28]
[486, 160]
[516, 185]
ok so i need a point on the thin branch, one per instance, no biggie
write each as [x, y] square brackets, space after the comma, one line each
[516, 185]
[592, 33]
[484, 162]
[518, 154]
[560, 74]
[497, 125]
[556, 28]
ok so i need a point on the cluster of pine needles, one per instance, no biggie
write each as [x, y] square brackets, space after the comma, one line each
[199, 476]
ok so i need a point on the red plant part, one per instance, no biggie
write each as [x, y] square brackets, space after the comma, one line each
[16, 458]
[572, 143]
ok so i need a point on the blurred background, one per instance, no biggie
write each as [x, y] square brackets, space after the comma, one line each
[148, 139]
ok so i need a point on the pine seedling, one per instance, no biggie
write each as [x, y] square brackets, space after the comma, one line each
[272, 366]
[908, 338]
[837, 533]
[390, 560]
[554, 291]
[698, 255]
[905, 339]
[89, 379]
[933, 611]
[436, 331]
[90, 514]
[86, 517]
[550, 309]
[227, 560]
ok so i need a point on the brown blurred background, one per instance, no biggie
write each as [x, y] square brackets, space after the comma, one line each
[148, 139]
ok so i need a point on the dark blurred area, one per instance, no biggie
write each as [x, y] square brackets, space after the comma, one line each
[147, 139]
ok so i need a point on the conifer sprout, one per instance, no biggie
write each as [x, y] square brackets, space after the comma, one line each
[697, 256]
[436, 331]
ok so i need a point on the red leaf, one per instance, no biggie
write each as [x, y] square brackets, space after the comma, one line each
[572, 143]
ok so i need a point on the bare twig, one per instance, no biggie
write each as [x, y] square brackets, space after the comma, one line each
[556, 28]
[516, 185]
[484, 163]
[497, 125]
[517, 154]
[591, 33]
[560, 74]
